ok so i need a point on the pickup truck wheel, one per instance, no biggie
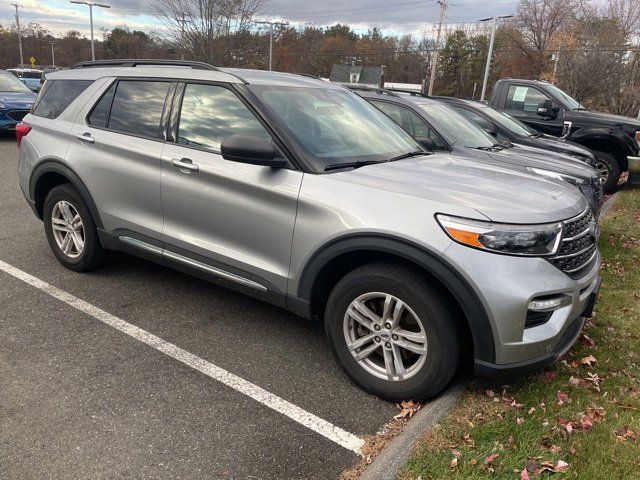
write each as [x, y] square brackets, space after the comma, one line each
[608, 170]
[393, 333]
[71, 231]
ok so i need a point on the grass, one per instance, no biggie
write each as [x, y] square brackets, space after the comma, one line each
[529, 423]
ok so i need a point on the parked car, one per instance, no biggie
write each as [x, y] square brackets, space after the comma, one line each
[506, 128]
[15, 101]
[438, 127]
[299, 192]
[614, 139]
[29, 76]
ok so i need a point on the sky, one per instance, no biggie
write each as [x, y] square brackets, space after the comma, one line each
[392, 16]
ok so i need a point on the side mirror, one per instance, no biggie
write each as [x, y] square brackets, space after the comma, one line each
[252, 150]
[546, 108]
[426, 142]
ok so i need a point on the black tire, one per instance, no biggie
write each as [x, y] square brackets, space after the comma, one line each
[92, 255]
[613, 170]
[433, 311]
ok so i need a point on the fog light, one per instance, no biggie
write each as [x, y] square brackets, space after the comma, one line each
[546, 304]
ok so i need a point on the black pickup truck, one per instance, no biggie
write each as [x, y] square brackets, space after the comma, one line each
[615, 140]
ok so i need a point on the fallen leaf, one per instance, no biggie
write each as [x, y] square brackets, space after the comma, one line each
[519, 420]
[491, 458]
[454, 463]
[408, 409]
[524, 475]
[561, 466]
[589, 360]
[563, 398]
[456, 453]
[573, 381]
[531, 411]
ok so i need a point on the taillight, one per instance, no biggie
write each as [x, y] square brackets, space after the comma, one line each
[638, 137]
[21, 130]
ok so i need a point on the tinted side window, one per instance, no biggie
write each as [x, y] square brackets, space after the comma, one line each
[211, 113]
[100, 113]
[475, 118]
[58, 96]
[524, 98]
[137, 107]
[411, 122]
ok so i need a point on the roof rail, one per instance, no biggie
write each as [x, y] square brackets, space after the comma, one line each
[413, 93]
[130, 62]
[367, 88]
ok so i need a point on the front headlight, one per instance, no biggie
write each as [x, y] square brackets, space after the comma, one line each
[557, 175]
[528, 240]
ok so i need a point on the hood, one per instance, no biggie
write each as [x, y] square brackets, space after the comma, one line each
[527, 156]
[18, 100]
[600, 118]
[500, 194]
[561, 145]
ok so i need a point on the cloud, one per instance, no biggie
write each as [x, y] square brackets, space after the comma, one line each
[401, 16]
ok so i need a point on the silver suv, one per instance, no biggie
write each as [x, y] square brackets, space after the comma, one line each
[299, 192]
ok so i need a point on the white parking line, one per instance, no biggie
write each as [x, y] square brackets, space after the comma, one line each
[295, 413]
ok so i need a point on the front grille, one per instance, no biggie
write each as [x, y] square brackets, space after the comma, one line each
[578, 247]
[17, 115]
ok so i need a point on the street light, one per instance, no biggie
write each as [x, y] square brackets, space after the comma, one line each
[494, 21]
[91, 4]
[53, 55]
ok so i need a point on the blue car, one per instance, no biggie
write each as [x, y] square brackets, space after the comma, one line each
[16, 100]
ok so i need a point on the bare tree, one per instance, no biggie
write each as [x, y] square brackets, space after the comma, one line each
[196, 25]
[538, 22]
[627, 13]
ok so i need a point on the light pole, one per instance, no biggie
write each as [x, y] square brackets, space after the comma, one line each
[91, 4]
[271, 24]
[494, 21]
[53, 55]
[17, 5]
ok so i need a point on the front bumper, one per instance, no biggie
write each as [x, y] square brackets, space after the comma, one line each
[634, 170]
[495, 371]
[506, 285]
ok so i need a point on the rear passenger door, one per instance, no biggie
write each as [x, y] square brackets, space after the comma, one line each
[237, 218]
[116, 144]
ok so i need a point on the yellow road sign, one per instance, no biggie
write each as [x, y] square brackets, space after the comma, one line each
[32, 60]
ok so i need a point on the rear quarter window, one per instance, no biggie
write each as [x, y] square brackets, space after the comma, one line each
[57, 95]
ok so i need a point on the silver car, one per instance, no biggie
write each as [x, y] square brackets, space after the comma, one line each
[301, 193]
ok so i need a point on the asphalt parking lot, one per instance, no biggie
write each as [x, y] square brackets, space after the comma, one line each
[81, 399]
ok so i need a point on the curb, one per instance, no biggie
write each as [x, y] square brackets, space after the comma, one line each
[609, 203]
[396, 454]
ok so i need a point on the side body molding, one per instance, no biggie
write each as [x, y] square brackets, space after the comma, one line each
[57, 166]
[453, 281]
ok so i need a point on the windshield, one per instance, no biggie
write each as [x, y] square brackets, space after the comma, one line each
[9, 83]
[570, 102]
[335, 126]
[507, 121]
[31, 75]
[460, 128]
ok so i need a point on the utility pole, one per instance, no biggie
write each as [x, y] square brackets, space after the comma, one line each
[91, 4]
[271, 24]
[17, 5]
[434, 65]
[494, 21]
[53, 55]
[182, 20]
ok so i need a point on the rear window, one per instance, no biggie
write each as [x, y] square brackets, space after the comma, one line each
[31, 74]
[58, 95]
[137, 107]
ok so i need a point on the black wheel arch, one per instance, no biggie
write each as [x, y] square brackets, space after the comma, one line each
[347, 252]
[604, 139]
[52, 172]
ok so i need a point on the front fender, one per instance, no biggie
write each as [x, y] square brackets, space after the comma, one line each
[616, 136]
[445, 273]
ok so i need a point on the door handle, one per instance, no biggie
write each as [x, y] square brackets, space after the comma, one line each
[86, 137]
[185, 164]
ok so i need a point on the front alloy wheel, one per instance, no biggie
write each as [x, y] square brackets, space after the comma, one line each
[385, 336]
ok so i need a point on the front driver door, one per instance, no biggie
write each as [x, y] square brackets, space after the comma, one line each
[236, 217]
[522, 103]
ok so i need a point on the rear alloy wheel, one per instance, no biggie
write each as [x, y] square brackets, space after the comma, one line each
[70, 230]
[608, 170]
[393, 333]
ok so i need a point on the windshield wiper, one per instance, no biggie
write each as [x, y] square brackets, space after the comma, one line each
[362, 163]
[580, 109]
[409, 155]
[496, 147]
